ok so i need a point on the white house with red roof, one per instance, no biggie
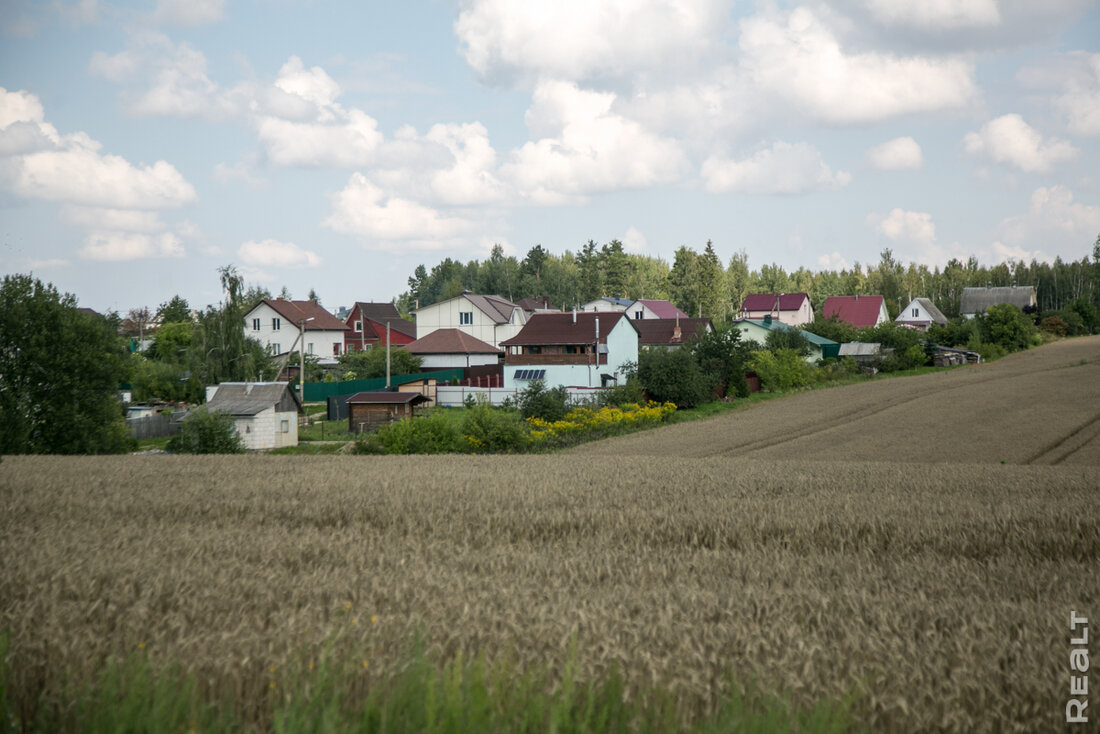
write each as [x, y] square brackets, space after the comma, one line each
[793, 309]
[452, 348]
[491, 319]
[276, 323]
[578, 349]
[862, 312]
[649, 308]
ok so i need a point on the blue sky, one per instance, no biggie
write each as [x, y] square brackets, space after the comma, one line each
[335, 146]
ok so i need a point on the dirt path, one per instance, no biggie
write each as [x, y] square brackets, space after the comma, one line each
[1036, 407]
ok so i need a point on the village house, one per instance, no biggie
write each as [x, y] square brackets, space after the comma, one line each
[277, 324]
[920, 314]
[578, 349]
[670, 333]
[977, 300]
[366, 327]
[860, 312]
[757, 331]
[491, 319]
[649, 308]
[264, 413]
[450, 348]
[607, 304]
[793, 309]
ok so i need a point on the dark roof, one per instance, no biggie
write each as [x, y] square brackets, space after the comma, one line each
[251, 398]
[450, 341]
[377, 311]
[617, 300]
[298, 311]
[567, 328]
[767, 301]
[536, 304]
[977, 300]
[387, 398]
[497, 308]
[859, 311]
[403, 326]
[661, 331]
[663, 309]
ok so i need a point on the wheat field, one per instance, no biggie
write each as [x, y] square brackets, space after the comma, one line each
[797, 550]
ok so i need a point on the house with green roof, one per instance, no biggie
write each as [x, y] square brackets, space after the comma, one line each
[757, 331]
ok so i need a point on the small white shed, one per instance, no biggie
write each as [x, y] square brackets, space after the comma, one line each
[266, 413]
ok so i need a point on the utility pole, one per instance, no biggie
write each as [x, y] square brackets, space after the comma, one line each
[302, 359]
[387, 354]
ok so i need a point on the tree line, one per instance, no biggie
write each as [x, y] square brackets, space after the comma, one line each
[700, 284]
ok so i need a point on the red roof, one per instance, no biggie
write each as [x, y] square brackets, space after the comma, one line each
[298, 311]
[859, 311]
[566, 328]
[766, 301]
[663, 309]
[450, 341]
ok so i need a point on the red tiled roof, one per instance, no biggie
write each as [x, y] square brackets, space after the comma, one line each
[663, 309]
[661, 331]
[766, 301]
[450, 341]
[859, 311]
[298, 311]
[560, 328]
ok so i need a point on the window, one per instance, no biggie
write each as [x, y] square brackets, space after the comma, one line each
[530, 375]
[255, 324]
[465, 318]
[276, 349]
[639, 315]
[571, 349]
[275, 324]
[336, 349]
[284, 426]
[358, 325]
[534, 350]
[309, 348]
[916, 312]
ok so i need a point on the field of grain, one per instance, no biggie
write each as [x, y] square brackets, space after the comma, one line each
[935, 588]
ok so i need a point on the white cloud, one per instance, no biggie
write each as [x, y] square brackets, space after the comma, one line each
[189, 12]
[634, 241]
[364, 209]
[905, 226]
[936, 15]
[126, 220]
[1008, 139]
[471, 180]
[277, 254]
[800, 60]
[784, 168]
[1054, 221]
[584, 39]
[1074, 79]
[120, 246]
[899, 154]
[832, 261]
[586, 147]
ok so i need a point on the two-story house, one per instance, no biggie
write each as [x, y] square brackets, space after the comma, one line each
[491, 319]
[862, 312]
[920, 314]
[366, 327]
[579, 349]
[793, 309]
[277, 323]
[645, 309]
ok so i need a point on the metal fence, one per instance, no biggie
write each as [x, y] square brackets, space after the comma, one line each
[456, 395]
[158, 425]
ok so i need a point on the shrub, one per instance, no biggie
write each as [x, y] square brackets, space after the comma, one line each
[1008, 327]
[487, 429]
[538, 401]
[207, 432]
[783, 369]
[631, 393]
[430, 434]
[787, 338]
[673, 376]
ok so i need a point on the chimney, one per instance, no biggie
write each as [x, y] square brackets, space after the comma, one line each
[677, 334]
[574, 314]
[767, 319]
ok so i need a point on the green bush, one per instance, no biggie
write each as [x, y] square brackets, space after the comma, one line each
[783, 369]
[430, 434]
[1008, 327]
[674, 376]
[207, 432]
[538, 401]
[787, 338]
[631, 393]
[488, 429]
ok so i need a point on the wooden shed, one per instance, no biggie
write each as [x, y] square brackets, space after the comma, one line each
[370, 410]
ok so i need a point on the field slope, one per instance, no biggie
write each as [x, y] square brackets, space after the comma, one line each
[1036, 407]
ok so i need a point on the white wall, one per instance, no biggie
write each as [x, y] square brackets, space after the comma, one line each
[453, 396]
[446, 315]
[264, 430]
[804, 315]
[286, 336]
[436, 361]
[622, 347]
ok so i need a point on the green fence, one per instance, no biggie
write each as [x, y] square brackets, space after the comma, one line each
[317, 392]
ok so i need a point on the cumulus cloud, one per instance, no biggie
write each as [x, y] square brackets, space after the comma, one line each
[585, 39]
[936, 15]
[189, 12]
[585, 147]
[120, 246]
[784, 168]
[832, 261]
[1075, 80]
[277, 254]
[801, 60]
[363, 209]
[634, 241]
[117, 202]
[1008, 139]
[1056, 221]
[899, 154]
[905, 226]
